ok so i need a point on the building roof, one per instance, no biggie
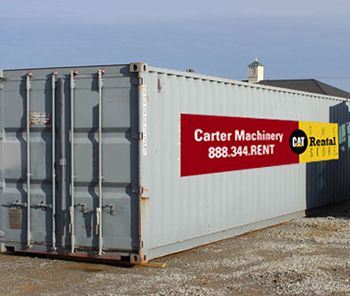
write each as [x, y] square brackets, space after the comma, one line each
[308, 85]
[255, 64]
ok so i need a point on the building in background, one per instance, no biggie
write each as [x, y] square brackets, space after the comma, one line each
[255, 72]
[256, 75]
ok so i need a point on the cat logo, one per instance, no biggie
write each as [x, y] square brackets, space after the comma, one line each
[298, 141]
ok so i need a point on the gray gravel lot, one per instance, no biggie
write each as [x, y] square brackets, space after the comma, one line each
[308, 256]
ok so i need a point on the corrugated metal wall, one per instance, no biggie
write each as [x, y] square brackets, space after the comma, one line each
[184, 212]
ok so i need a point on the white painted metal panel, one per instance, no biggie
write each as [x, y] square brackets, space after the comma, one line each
[183, 212]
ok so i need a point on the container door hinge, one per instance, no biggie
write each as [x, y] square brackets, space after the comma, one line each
[137, 81]
[138, 136]
[144, 192]
[140, 81]
[136, 190]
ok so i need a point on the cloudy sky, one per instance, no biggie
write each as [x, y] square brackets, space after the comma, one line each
[293, 39]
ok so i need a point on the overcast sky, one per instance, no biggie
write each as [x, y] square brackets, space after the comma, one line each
[293, 39]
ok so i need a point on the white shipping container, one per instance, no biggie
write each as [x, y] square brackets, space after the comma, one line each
[93, 160]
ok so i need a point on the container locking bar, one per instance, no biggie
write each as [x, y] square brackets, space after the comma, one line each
[100, 176]
[63, 159]
[53, 134]
[72, 191]
[29, 174]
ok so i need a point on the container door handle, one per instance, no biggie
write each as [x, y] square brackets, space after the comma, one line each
[18, 204]
[42, 205]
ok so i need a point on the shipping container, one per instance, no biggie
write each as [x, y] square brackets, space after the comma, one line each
[136, 162]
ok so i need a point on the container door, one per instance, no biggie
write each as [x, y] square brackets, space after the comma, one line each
[82, 128]
[103, 163]
[26, 162]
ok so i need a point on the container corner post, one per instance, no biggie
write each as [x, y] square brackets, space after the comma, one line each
[138, 67]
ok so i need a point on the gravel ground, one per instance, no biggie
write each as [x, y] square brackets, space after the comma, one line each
[308, 256]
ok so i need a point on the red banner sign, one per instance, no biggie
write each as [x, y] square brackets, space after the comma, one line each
[211, 144]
